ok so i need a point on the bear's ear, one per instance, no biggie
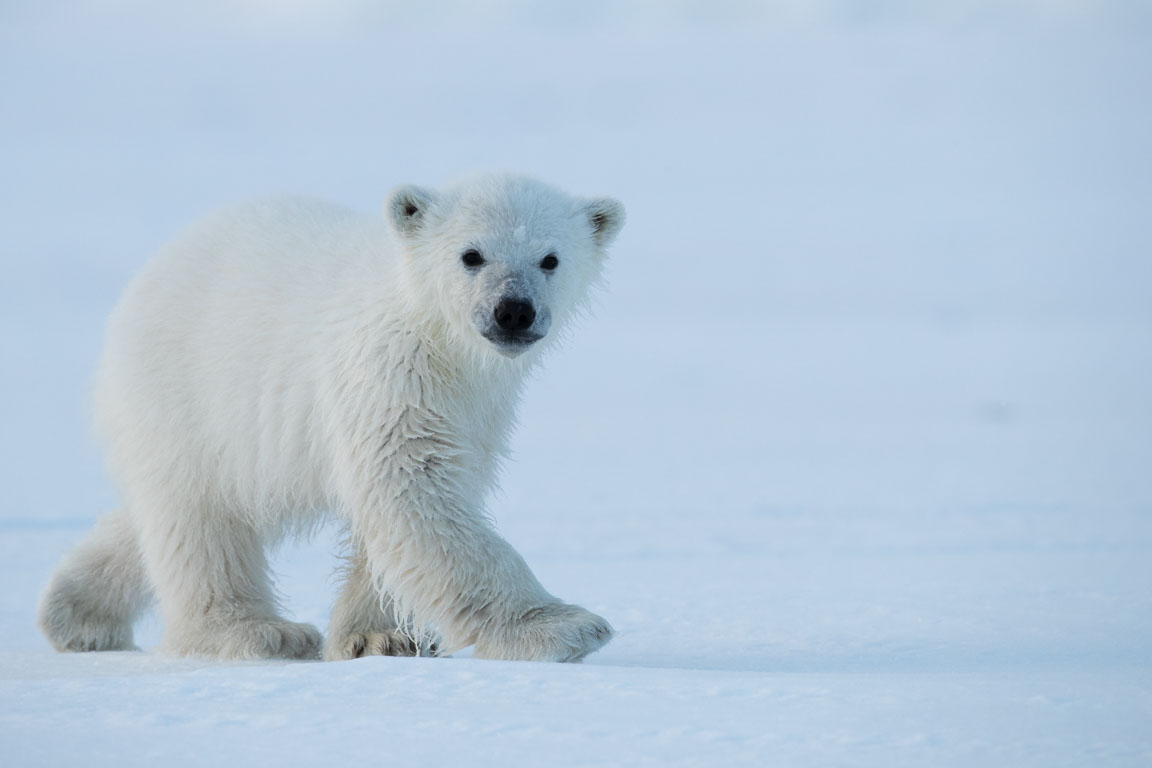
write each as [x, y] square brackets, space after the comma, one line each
[606, 217]
[407, 207]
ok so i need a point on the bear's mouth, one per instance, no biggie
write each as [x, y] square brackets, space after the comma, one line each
[512, 343]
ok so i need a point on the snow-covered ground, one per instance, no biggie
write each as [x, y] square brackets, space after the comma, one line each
[855, 453]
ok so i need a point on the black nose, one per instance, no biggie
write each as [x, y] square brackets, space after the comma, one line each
[514, 315]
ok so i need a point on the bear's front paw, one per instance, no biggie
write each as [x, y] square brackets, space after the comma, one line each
[551, 632]
[387, 643]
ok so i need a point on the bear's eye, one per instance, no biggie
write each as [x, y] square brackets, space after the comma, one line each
[472, 258]
[549, 262]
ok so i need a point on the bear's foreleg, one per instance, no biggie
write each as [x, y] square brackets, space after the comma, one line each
[445, 566]
[364, 620]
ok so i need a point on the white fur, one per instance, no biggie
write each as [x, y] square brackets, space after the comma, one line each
[284, 360]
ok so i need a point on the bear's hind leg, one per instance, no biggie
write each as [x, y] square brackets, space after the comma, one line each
[364, 622]
[98, 591]
[210, 573]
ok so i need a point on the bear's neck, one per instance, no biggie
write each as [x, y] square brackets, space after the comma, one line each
[424, 367]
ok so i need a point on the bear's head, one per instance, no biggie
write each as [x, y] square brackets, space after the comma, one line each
[502, 261]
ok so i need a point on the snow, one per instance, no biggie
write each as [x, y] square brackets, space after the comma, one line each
[854, 452]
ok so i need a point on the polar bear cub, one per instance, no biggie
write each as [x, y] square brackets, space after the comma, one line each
[286, 360]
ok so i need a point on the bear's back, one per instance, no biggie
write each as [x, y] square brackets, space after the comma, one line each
[216, 351]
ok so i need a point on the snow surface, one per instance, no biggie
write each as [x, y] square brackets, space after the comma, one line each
[855, 453]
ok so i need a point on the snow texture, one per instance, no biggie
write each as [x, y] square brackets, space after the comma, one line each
[867, 399]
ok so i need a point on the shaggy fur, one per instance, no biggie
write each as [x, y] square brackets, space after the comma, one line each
[290, 359]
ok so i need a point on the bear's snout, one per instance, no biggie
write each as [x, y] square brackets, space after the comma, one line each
[515, 324]
[514, 314]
